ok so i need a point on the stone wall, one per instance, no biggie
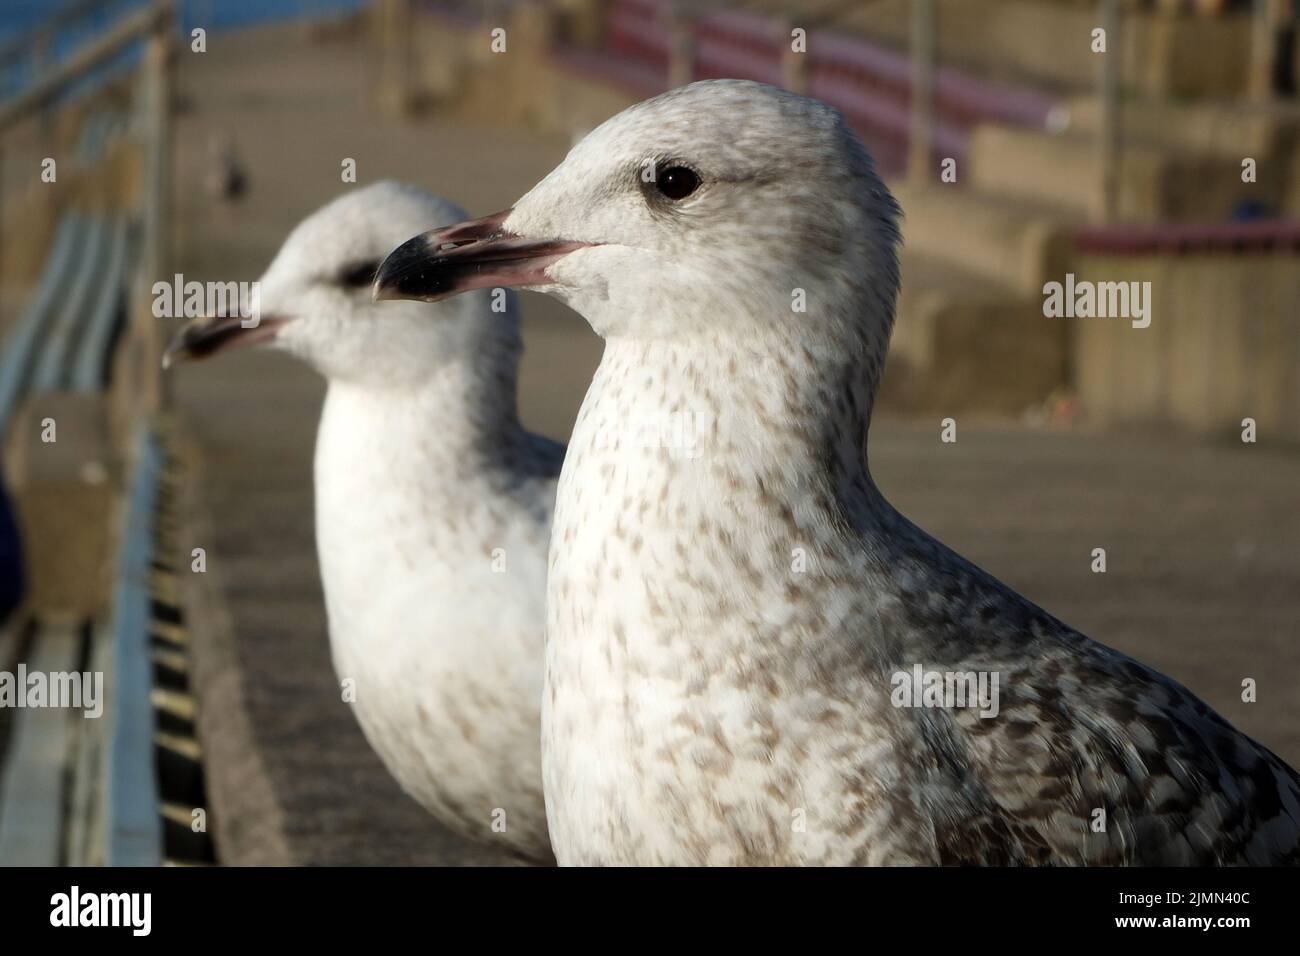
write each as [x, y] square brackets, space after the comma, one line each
[1223, 343]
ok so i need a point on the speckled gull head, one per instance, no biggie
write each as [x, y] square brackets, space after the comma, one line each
[712, 203]
[315, 300]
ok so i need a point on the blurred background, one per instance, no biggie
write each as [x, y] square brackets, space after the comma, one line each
[164, 537]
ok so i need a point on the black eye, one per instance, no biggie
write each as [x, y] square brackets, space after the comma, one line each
[358, 274]
[676, 182]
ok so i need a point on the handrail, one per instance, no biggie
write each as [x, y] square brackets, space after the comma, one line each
[32, 781]
[88, 365]
[151, 24]
[25, 336]
[1186, 238]
[133, 830]
[73, 13]
[135, 26]
[61, 334]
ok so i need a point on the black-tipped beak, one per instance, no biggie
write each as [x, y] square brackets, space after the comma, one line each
[208, 336]
[478, 254]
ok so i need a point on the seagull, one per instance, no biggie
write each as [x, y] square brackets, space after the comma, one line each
[433, 507]
[735, 612]
[226, 179]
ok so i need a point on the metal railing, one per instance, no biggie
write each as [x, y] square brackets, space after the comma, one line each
[87, 791]
[152, 26]
[36, 47]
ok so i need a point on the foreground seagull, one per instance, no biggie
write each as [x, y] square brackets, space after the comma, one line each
[731, 618]
[433, 506]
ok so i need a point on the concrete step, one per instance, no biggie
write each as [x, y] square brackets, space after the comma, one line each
[1008, 241]
[963, 342]
[1156, 181]
[1222, 127]
[34, 777]
[1048, 44]
[1232, 130]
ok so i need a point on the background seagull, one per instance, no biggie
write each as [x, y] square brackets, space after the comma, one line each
[725, 628]
[433, 506]
[226, 179]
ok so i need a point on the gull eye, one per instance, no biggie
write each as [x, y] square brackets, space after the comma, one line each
[676, 182]
[358, 274]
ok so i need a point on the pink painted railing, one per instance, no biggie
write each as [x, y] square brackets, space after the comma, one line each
[869, 83]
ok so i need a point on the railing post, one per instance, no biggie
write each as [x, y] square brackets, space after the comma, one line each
[1110, 141]
[794, 66]
[396, 30]
[681, 56]
[924, 42]
[2, 232]
[151, 396]
[1266, 15]
[41, 61]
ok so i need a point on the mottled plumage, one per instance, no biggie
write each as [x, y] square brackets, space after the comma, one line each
[433, 506]
[725, 615]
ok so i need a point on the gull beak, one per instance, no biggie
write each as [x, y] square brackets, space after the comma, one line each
[478, 254]
[208, 336]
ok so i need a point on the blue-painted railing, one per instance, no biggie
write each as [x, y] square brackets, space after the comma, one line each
[134, 827]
